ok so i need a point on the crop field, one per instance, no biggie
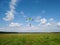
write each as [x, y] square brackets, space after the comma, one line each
[30, 39]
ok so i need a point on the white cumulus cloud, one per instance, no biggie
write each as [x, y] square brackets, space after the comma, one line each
[43, 20]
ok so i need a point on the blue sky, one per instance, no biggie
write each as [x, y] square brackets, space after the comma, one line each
[45, 15]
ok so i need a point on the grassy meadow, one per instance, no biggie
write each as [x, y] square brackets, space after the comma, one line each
[30, 39]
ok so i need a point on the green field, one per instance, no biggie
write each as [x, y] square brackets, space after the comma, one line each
[30, 39]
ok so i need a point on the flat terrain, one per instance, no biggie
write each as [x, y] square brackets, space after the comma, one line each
[30, 39]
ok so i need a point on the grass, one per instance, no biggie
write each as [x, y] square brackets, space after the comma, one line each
[30, 39]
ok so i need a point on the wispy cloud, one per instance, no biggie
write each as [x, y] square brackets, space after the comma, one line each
[21, 13]
[37, 19]
[10, 13]
[51, 19]
[12, 24]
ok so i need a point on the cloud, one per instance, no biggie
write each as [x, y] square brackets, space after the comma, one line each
[43, 20]
[40, 20]
[41, 28]
[58, 24]
[51, 19]
[48, 24]
[18, 27]
[12, 24]
[37, 19]
[10, 13]
[13, 4]
[9, 16]
[22, 13]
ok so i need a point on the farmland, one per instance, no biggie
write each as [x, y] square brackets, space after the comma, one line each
[30, 39]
